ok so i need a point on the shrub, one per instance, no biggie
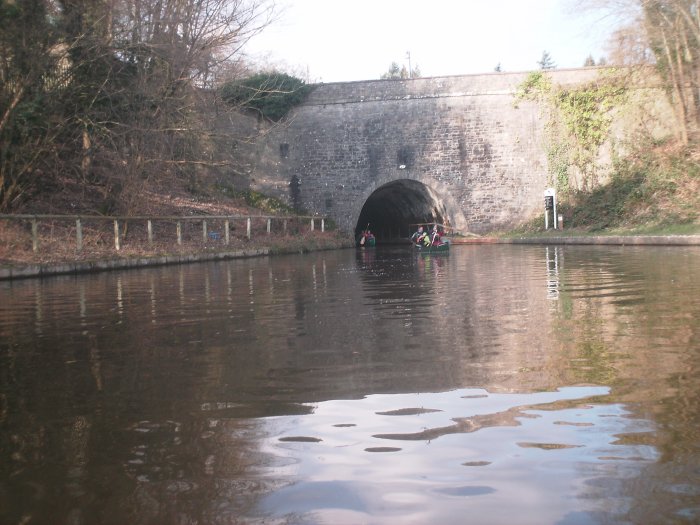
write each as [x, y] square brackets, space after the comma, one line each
[272, 95]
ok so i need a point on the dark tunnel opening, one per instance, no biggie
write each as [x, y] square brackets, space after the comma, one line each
[393, 210]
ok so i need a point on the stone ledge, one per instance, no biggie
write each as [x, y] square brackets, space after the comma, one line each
[41, 270]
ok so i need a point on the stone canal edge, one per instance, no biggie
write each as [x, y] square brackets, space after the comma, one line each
[75, 267]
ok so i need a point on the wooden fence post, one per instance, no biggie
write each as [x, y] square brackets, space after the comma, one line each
[284, 226]
[149, 225]
[247, 228]
[323, 225]
[204, 230]
[116, 235]
[312, 224]
[78, 234]
[269, 221]
[179, 233]
[227, 235]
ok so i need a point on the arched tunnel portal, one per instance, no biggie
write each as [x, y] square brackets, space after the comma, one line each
[393, 210]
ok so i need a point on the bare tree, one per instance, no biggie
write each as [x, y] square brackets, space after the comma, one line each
[673, 29]
[666, 34]
[628, 46]
[30, 71]
[120, 84]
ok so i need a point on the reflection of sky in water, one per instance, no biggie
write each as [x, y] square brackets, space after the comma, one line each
[464, 456]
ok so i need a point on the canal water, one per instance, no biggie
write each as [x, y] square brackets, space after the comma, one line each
[495, 384]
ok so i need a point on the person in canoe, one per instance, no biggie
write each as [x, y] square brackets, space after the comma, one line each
[419, 237]
[436, 236]
[367, 238]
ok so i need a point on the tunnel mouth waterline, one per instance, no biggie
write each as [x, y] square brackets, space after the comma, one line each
[392, 210]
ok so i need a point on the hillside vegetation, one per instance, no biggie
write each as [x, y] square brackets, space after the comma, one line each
[617, 158]
[656, 191]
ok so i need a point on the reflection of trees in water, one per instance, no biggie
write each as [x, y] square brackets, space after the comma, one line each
[102, 398]
[632, 324]
[633, 316]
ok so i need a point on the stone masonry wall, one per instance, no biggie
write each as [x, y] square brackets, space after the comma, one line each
[460, 136]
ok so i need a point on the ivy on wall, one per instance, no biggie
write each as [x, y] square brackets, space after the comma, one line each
[579, 123]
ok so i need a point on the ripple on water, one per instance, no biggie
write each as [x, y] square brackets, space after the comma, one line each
[301, 439]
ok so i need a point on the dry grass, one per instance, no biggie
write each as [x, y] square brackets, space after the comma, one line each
[57, 244]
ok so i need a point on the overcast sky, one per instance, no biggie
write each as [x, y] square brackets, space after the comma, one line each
[339, 40]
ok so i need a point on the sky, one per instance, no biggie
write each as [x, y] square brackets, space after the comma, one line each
[345, 40]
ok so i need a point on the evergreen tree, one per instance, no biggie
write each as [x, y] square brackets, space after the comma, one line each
[393, 73]
[546, 62]
[397, 72]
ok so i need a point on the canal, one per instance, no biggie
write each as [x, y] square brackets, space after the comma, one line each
[495, 384]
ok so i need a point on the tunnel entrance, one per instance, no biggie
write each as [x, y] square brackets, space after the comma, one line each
[392, 208]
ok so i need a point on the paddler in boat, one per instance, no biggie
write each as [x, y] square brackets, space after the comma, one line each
[418, 236]
[435, 236]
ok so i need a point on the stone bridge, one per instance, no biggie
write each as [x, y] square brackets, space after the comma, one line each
[389, 153]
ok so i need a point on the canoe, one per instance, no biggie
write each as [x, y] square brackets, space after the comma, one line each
[368, 242]
[425, 250]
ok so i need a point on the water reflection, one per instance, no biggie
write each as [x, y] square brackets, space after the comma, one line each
[543, 447]
[357, 386]
[552, 261]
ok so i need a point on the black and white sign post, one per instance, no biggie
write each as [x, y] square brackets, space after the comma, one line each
[550, 203]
